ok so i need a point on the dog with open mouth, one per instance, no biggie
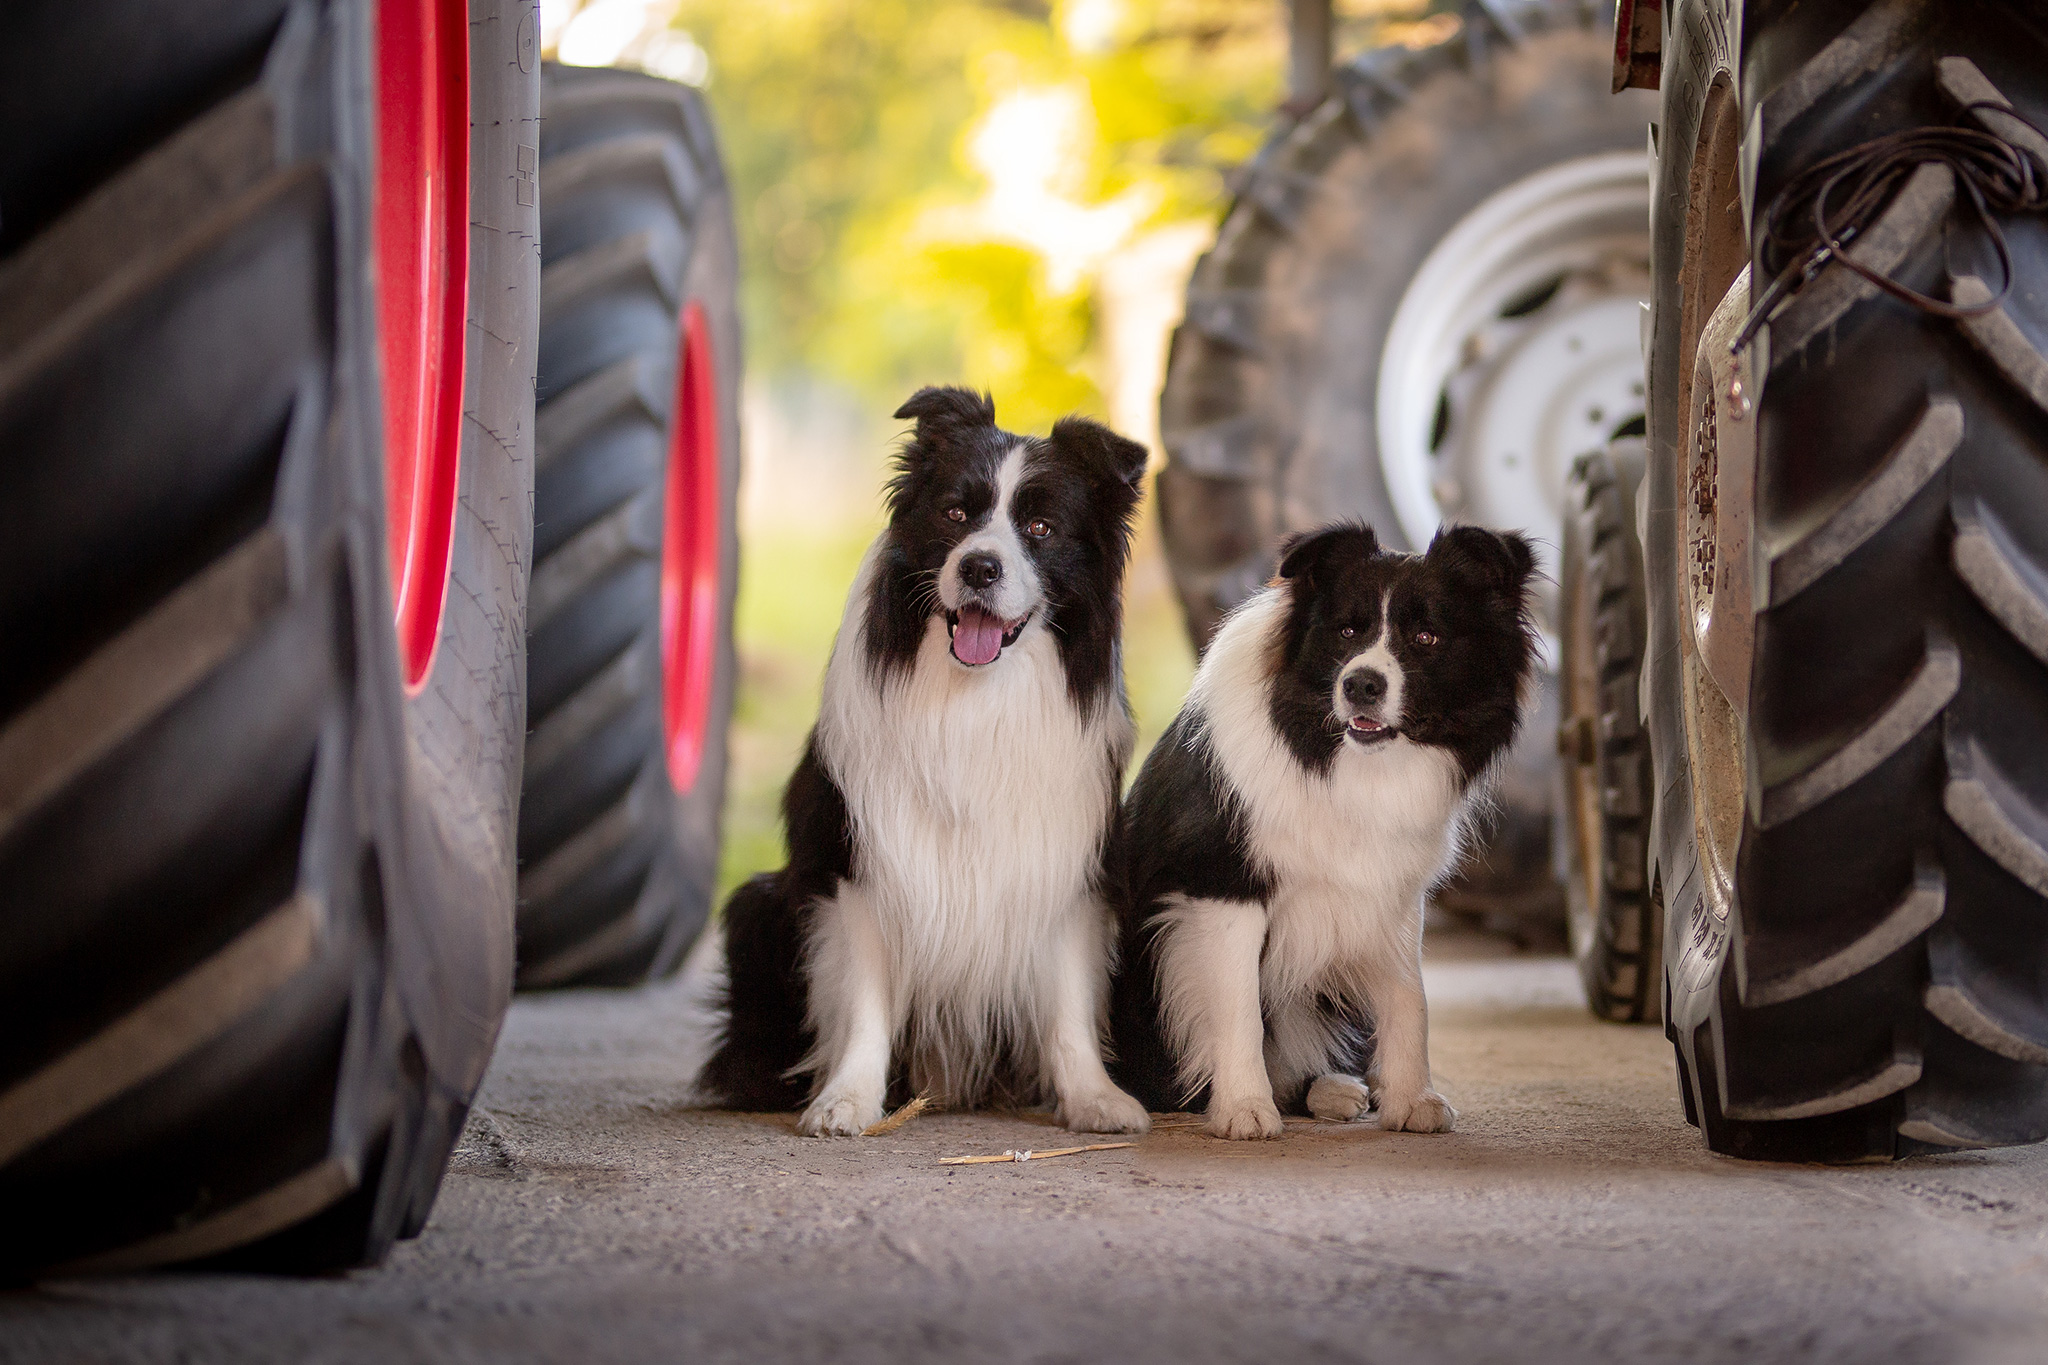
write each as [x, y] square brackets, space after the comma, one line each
[1285, 830]
[943, 926]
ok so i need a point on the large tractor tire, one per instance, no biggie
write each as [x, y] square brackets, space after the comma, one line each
[267, 314]
[631, 667]
[1616, 927]
[1847, 544]
[1423, 305]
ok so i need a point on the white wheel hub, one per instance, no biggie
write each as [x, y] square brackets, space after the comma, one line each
[1515, 349]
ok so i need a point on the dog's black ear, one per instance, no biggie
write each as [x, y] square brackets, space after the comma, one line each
[940, 410]
[944, 414]
[1106, 453]
[1497, 561]
[1301, 555]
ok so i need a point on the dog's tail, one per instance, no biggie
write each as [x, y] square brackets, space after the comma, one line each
[699, 997]
[755, 1001]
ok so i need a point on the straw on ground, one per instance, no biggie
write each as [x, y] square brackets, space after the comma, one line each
[892, 1122]
[1029, 1155]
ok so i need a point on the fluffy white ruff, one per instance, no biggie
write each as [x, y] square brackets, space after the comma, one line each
[978, 801]
[1351, 855]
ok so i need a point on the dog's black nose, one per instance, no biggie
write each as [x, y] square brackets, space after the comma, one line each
[1367, 687]
[978, 571]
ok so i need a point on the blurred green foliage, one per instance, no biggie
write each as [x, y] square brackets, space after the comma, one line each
[792, 591]
[926, 191]
[849, 125]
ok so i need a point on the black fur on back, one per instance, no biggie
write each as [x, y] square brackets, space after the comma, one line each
[1085, 481]
[1182, 831]
[766, 996]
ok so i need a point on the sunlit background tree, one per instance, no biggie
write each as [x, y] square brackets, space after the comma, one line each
[1003, 193]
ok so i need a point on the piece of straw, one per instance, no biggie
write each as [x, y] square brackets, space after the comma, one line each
[1028, 1155]
[896, 1120]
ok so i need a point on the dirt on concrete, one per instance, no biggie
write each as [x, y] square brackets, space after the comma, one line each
[1573, 1216]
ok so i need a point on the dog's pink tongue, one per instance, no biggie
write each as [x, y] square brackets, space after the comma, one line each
[978, 638]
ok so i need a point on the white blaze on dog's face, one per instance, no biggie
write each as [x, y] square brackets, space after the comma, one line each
[1367, 694]
[989, 584]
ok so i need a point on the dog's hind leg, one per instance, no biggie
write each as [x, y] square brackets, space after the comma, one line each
[755, 999]
[854, 1012]
[1337, 1096]
[1074, 979]
[1307, 1039]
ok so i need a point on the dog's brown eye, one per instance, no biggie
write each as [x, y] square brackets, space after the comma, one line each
[1348, 631]
[1425, 638]
[956, 514]
[1038, 530]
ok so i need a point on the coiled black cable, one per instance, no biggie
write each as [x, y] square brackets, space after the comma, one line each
[1810, 223]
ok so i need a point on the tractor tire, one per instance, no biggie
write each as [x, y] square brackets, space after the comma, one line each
[1851, 745]
[1269, 409]
[1617, 931]
[255, 888]
[1289, 399]
[631, 666]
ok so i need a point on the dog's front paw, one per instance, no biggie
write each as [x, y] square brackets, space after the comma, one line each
[1338, 1096]
[1245, 1119]
[1427, 1112]
[839, 1114]
[1105, 1111]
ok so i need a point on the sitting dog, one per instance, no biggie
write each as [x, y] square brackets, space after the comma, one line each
[943, 926]
[1285, 830]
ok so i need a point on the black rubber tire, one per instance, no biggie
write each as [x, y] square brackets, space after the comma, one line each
[618, 868]
[255, 901]
[1268, 409]
[1617, 932]
[1880, 986]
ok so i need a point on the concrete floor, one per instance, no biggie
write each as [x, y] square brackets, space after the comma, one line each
[1573, 1216]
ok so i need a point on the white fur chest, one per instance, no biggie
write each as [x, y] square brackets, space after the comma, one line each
[1352, 860]
[978, 801]
[1351, 851]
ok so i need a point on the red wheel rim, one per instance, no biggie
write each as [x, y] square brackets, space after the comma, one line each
[422, 271]
[690, 545]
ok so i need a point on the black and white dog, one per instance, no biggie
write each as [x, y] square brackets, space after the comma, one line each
[944, 924]
[1284, 831]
